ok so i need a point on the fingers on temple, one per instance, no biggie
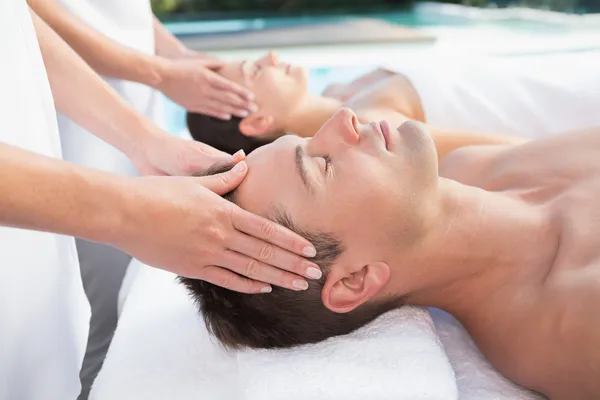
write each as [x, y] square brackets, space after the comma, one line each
[228, 109]
[271, 232]
[259, 271]
[274, 256]
[213, 109]
[226, 85]
[232, 281]
[229, 99]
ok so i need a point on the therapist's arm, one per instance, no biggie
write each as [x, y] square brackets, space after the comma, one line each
[188, 82]
[179, 224]
[83, 96]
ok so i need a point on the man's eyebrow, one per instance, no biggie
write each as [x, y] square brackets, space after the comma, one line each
[300, 166]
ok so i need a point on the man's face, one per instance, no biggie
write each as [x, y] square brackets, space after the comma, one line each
[278, 87]
[366, 184]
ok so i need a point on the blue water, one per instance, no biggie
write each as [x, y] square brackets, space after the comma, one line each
[422, 15]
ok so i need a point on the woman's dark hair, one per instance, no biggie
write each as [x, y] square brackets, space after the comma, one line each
[222, 135]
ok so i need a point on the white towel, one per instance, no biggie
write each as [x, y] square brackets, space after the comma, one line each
[161, 350]
[531, 97]
[475, 377]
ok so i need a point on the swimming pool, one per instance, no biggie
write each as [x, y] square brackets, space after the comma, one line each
[460, 31]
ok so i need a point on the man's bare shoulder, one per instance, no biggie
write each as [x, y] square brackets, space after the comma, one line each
[535, 162]
[470, 165]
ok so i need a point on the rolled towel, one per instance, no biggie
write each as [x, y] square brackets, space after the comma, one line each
[162, 350]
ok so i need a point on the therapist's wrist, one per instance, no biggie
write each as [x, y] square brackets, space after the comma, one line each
[162, 68]
[142, 135]
[151, 70]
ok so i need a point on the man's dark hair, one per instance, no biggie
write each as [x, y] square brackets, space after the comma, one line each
[282, 318]
[222, 135]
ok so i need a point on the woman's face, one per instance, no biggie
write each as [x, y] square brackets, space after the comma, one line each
[278, 88]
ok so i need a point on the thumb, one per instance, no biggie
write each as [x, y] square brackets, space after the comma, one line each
[227, 181]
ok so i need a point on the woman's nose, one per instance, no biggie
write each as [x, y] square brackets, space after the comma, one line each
[273, 58]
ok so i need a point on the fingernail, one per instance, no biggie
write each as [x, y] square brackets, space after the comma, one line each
[313, 273]
[300, 284]
[239, 154]
[309, 251]
[226, 117]
[253, 107]
[242, 114]
[250, 96]
[266, 289]
[239, 167]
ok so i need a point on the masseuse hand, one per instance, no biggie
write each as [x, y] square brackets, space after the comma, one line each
[158, 153]
[193, 83]
[183, 225]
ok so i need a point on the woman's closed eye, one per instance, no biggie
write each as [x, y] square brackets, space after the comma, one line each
[257, 69]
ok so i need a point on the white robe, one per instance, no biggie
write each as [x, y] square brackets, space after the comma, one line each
[44, 313]
[130, 23]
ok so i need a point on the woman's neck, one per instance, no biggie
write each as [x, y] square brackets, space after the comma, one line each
[312, 113]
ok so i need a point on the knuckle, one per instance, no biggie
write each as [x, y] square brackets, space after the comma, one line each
[216, 234]
[183, 162]
[224, 211]
[266, 252]
[300, 266]
[224, 178]
[252, 268]
[268, 229]
[227, 282]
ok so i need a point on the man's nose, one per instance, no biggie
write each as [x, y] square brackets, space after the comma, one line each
[344, 125]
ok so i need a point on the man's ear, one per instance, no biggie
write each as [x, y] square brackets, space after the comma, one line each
[344, 291]
[256, 125]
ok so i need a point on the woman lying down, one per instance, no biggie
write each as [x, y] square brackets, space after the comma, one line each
[531, 98]
[502, 236]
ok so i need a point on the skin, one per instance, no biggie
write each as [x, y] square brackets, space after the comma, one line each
[249, 246]
[503, 237]
[286, 106]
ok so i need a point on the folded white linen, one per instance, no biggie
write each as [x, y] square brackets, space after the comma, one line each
[162, 350]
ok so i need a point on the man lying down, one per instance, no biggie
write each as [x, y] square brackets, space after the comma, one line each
[504, 237]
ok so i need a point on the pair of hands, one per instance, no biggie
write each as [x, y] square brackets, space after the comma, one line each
[190, 80]
[183, 225]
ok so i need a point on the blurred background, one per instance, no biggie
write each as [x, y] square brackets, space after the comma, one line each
[185, 9]
[338, 40]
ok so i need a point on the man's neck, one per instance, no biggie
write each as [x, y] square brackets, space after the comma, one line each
[483, 242]
[308, 118]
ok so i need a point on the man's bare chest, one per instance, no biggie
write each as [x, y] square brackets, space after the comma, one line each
[548, 339]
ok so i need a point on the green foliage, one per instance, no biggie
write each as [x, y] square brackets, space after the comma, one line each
[285, 6]
[165, 6]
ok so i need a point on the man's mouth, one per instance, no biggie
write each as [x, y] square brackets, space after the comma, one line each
[385, 131]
